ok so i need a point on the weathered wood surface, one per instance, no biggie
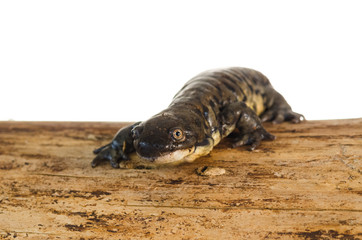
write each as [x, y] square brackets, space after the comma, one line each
[304, 185]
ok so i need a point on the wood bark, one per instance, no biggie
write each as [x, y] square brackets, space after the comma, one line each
[304, 185]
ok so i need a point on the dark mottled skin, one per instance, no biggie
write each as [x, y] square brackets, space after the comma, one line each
[208, 108]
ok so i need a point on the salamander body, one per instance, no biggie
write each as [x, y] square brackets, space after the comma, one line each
[208, 108]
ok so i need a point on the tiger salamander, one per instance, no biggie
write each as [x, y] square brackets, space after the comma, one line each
[208, 108]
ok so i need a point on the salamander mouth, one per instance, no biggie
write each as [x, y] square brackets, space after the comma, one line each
[170, 157]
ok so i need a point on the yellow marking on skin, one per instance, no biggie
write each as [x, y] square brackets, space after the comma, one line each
[229, 130]
[124, 146]
[256, 103]
[200, 151]
[178, 156]
[258, 99]
[217, 137]
[185, 155]
[173, 158]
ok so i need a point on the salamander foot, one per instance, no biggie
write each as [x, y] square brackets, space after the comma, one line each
[253, 138]
[108, 153]
[277, 115]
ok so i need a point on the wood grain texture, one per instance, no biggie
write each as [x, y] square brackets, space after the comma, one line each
[304, 185]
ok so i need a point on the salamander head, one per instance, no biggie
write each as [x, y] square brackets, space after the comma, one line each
[166, 138]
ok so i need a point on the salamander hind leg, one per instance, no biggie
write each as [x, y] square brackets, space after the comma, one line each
[279, 115]
[251, 132]
[278, 110]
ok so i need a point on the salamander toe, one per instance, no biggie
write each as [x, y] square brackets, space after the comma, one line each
[294, 117]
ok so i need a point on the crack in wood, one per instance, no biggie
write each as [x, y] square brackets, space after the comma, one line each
[242, 208]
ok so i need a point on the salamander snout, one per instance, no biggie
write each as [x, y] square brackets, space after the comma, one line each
[148, 150]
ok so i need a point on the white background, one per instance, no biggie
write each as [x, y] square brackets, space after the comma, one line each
[124, 60]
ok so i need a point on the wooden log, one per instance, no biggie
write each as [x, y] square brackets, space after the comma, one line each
[304, 185]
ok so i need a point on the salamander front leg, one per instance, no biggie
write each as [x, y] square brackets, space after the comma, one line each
[251, 131]
[253, 138]
[108, 153]
[117, 150]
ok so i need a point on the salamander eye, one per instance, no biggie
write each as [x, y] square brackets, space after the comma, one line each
[178, 134]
